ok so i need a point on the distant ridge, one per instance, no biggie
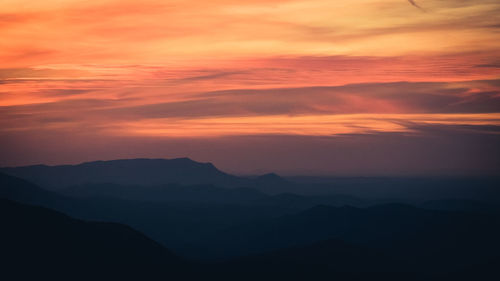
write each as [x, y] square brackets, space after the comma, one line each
[142, 172]
[139, 171]
[271, 178]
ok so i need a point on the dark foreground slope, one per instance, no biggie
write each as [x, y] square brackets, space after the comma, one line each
[337, 260]
[324, 260]
[433, 240]
[38, 242]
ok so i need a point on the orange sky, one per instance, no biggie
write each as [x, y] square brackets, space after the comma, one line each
[205, 69]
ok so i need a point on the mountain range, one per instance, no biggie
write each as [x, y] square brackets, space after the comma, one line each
[160, 230]
[126, 172]
[184, 171]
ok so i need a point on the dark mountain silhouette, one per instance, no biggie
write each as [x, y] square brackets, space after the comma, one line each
[126, 172]
[175, 225]
[208, 194]
[464, 205]
[145, 172]
[45, 244]
[323, 260]
[403, 189]
[271, 178]
[201, 193]
[441, 239]
[17, 189]
[227, 230]
[302, 202]
[385, 242]
[39, 243]
[335, 259]
[183, 171]
[205, 193]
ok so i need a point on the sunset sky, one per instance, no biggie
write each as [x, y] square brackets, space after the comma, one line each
[346, 87]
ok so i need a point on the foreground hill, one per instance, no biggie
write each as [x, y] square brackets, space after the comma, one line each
[42, 243]
[335, 259]
[436, 240]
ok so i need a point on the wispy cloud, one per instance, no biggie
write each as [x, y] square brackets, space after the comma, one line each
[312, 68]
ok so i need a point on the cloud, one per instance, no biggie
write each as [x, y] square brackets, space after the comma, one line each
[434, 150]
[34, 73]
[306, 110]
[374, 98]
[211, 75]
[152, 31]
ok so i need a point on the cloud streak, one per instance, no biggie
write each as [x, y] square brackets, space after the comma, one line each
[431, 150]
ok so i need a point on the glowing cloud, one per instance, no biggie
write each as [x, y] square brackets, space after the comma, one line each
[156, 69]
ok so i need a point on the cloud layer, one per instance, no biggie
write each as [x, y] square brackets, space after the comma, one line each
[191, 78]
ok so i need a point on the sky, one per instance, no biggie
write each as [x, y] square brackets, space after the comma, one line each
[309, 87]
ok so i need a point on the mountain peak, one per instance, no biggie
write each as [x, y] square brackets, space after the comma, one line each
[271, 177]
[139, 171]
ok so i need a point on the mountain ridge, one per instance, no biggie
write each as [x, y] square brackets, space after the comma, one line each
[140, 171]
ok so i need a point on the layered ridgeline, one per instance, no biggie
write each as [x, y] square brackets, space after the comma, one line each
[143, 172]
[178, 224]
[103, 178]
[126, 172]
[255, 242]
